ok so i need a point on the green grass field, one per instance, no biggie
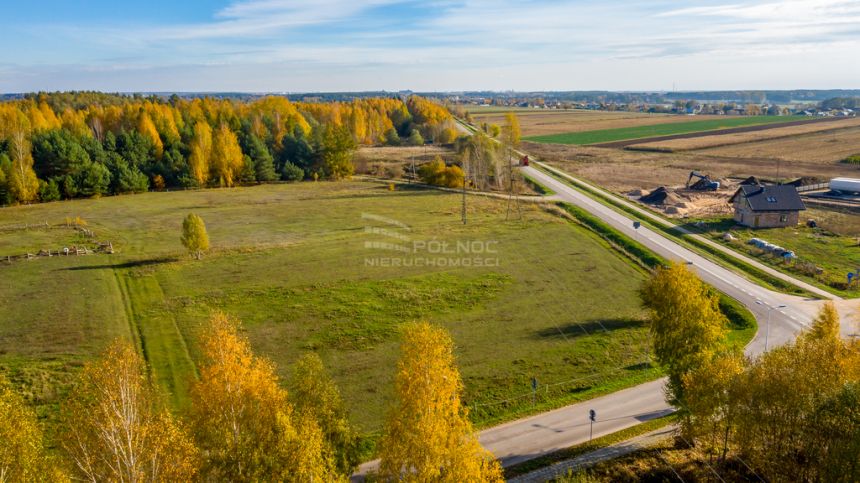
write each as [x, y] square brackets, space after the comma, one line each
[835, 255]
[638, 132]
[291, 262]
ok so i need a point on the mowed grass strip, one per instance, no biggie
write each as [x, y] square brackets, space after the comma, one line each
[654, 130]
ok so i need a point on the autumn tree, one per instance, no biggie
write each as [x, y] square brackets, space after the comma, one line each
[427, 434]
[22, 451]
[201, 153]
[114, 429]
[438, 174]
[227, 158]
[686, 323]
[512, 130]
[336, 152]
[710, 392]
[791, 414]
[314, 393]
[242, 418]
[194, 236]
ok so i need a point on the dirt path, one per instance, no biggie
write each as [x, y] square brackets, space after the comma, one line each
[733, 130]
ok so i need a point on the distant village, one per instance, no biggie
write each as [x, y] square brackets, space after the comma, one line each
[689, 107]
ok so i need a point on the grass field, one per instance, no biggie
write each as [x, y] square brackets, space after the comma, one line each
[664, 129]
[835, 254]
[291, 262]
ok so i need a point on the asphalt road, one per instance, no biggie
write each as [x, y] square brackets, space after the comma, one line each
[785, 322]
[544, 433]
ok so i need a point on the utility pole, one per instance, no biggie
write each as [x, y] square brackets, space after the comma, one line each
[413, 168]
[511, 185]
[463, 214]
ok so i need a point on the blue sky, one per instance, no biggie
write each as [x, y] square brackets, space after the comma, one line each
[343, 45]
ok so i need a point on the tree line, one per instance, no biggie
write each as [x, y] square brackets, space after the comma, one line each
[68, 145]
[243, 425]
[790, 414]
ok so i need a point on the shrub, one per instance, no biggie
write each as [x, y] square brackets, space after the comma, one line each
[853, 159]
[291, 172]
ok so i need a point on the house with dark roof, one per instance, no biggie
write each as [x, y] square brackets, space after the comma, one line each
[759, 206]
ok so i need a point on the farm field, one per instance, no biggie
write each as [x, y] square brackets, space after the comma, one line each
[291, 261]
[624, 170]
[824, 147]
[784, 134]
[538, 122]
[662, 129]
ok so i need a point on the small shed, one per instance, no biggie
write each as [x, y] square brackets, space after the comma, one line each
[773, 206]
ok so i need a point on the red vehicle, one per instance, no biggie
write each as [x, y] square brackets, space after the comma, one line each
[524, 161]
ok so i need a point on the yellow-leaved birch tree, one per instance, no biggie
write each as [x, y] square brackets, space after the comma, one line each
[113, 428]
[427, 434]
[242, 419]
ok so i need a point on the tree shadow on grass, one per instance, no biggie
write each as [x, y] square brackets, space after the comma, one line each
[130, 264]
[589, 327]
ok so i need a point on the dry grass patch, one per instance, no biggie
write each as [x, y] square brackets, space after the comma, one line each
[823, 147]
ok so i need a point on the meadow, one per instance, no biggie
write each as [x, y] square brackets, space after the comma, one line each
[828, 147]
[663, 129]
[299, 264]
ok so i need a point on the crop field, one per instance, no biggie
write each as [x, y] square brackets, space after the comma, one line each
[292, 261]
[781, 134]
[624, 170]
[824, 148]
[656, 130]
[539, 122]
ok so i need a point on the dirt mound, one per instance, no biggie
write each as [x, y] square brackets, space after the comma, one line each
[805, 181]
[661, 196]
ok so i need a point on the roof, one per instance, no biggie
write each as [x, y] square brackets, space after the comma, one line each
[771, 198]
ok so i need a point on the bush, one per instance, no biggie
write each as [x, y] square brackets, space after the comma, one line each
[854, 159]
[49, 191]
[291, 172]
[437, 174]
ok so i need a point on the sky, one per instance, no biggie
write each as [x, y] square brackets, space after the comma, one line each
[428, 45]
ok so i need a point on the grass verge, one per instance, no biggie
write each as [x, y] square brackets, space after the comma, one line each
[583, 448]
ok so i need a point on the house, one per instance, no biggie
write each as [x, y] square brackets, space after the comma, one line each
[760, 206]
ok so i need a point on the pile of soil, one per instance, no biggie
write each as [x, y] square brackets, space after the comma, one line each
[662, 196]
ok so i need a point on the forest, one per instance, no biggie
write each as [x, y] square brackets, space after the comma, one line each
[84, 144]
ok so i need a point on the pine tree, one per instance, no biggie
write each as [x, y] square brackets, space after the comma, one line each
[427, 434]
[194, 236]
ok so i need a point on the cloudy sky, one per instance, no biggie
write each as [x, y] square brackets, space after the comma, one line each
[349, 45]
